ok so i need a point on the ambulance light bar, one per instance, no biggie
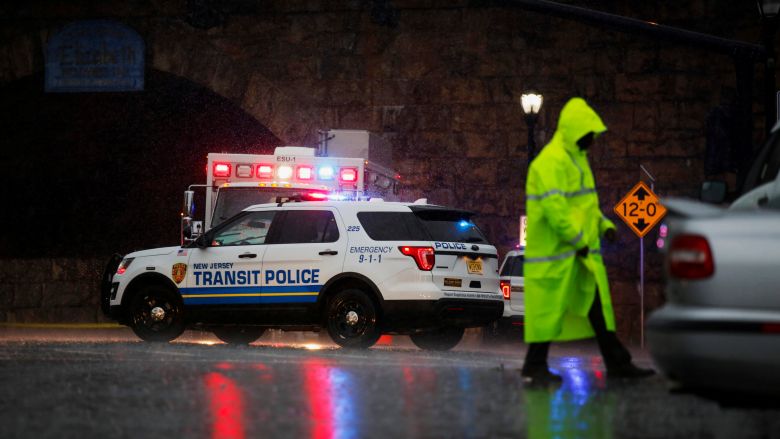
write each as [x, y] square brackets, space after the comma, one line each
[265, 171]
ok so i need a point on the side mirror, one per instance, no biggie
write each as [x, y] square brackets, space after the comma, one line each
[189, 205]
[202, 241]
[713, 191]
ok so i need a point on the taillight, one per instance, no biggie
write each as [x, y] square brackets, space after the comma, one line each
[690, 257]
[305, 173]
[123, 265]
[348, 175]
[265, 171]
[506, 289]
[222, 169]
[423, 256]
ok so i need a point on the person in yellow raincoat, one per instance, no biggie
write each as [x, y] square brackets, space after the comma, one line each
[566, 289]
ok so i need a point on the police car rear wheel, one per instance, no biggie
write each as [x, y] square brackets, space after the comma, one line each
[442, 339]
[238, 335]
[351, 319]
[156, 314]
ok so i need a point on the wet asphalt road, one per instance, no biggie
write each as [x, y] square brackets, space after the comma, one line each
[65, 383]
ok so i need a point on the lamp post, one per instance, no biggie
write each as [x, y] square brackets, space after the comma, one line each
[768, 9]
[531, 103]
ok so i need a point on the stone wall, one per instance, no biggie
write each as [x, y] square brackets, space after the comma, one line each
[441, 80]
[63, 290]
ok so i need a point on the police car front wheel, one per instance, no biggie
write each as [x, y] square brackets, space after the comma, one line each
[156, 314]
[351, 319]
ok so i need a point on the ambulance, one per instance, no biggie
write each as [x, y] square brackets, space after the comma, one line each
[345, 165]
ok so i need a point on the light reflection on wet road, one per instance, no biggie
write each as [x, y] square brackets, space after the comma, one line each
[106, 383]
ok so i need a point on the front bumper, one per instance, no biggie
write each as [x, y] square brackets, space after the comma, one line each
[721, 349]
[405, 315]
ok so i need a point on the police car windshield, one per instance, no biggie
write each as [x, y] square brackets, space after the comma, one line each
[450, 225]
[232, 200]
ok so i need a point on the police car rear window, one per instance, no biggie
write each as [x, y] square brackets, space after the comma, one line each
[392, 226]
[513, 266]
[450, 225]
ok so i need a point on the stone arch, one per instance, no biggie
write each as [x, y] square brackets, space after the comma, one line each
[170, 50]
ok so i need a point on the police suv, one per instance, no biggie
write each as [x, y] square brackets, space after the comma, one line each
[357, 268]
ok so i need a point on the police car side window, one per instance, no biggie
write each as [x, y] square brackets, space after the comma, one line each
[308, 226]
[392, 226]
[250, 229]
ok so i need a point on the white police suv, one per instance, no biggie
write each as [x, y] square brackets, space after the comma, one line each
[357, 268]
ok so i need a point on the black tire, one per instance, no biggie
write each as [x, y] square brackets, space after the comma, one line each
[238, 335]
[442, 339]
[162, 329]
[342, 308]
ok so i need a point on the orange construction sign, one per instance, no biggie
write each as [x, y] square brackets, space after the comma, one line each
[640, 209]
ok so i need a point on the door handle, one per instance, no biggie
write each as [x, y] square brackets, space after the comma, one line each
[763, 200]
[329, 252]
[247, 255]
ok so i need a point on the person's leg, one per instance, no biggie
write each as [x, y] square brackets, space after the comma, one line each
[536, 357]
[612, 350]
[616, 356]
[535, 371]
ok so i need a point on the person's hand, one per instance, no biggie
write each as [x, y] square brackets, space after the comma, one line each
[610, 235]
[583, 252]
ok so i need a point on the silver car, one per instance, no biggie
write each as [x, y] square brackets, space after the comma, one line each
[720, 327]
[510, 325]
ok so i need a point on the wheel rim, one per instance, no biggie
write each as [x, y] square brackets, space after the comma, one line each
[351, 319]
[154, 313]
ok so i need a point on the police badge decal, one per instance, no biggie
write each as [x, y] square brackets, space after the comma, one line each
[178, 272]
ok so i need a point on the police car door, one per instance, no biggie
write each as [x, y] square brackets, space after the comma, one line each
[229, 270]
[306, 250]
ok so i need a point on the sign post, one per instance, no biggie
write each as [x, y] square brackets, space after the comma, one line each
[641, 211]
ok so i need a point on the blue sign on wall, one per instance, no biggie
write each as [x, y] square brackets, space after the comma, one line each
[96, 55]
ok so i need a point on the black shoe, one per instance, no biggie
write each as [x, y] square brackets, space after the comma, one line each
[541, 377]
[630, 371]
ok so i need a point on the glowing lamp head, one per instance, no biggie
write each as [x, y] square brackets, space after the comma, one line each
[265, 171]
[325, 173]
[222, 169]
[284, 172]
[305, 173]
[348, 175]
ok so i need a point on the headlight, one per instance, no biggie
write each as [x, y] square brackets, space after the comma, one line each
[123, 265]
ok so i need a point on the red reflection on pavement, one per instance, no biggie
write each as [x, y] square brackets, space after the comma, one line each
[224, 366]
[385, 340]
[226, 404]
[318, 387]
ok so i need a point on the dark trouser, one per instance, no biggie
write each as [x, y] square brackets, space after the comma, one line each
[613, 352]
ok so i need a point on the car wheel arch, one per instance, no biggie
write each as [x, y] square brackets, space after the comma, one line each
[349, 280]
[143, 280]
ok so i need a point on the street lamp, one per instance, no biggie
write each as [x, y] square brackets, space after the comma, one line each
[531, 103]
[768, 9]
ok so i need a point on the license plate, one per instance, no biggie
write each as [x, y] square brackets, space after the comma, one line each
[474, 267]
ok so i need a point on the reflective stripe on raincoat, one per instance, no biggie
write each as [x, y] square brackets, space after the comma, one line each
[563, 216]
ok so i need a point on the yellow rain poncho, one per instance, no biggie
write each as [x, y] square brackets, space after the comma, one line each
[563, 216]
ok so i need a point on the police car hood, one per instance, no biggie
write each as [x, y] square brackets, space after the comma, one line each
[153, 252]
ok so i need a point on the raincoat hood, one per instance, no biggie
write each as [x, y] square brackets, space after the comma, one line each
[576, 120]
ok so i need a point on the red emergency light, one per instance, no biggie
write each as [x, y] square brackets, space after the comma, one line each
[305, 172]
[265, 171]
[315, 196]
[348, 175]
[222, 169]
